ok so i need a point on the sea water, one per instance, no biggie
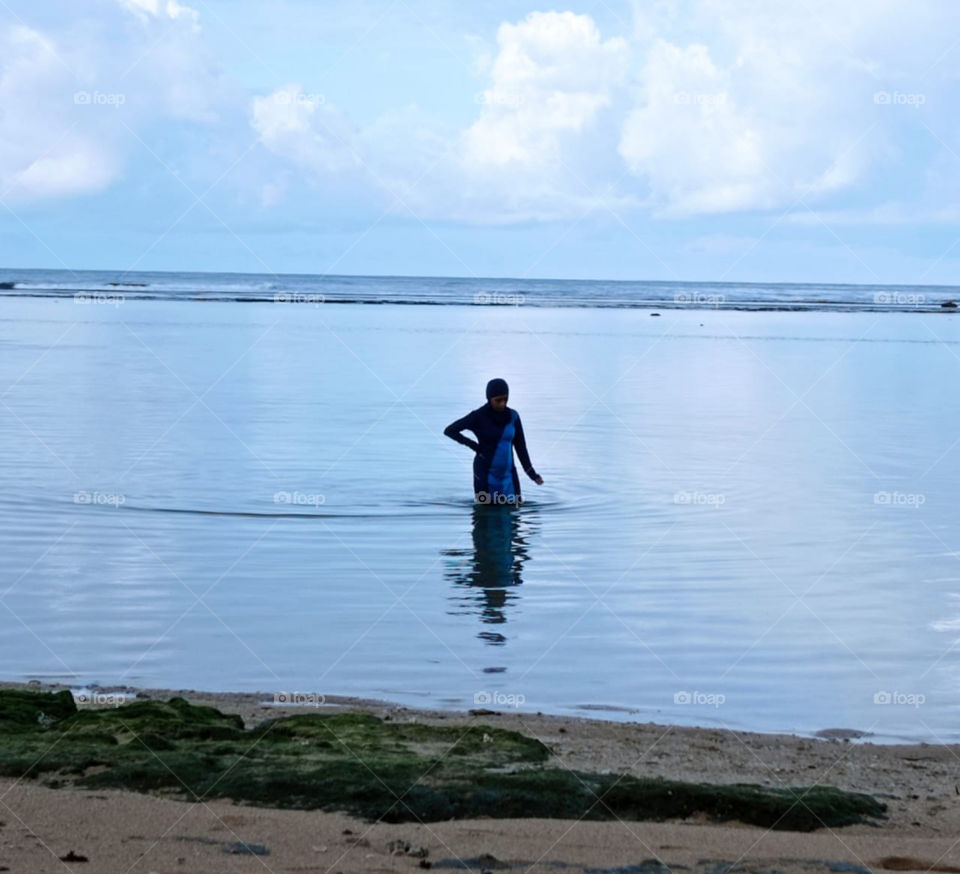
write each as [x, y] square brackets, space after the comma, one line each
[749, 518]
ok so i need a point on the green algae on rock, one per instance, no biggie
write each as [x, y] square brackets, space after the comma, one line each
[23, 710]
[175, 719]
[359, 764]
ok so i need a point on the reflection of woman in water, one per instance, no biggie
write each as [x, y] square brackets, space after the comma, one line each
[491, 571]
[498, 430]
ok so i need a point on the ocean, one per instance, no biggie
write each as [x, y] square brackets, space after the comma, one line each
[310, 289]
[748, 520]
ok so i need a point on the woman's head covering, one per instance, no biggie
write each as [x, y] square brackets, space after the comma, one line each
[497, 387]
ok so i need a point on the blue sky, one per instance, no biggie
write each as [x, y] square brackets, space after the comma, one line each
[663, 139]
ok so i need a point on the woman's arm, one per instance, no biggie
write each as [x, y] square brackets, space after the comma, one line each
[520, 442]
[465, 424]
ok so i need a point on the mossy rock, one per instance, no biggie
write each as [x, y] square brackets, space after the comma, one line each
[176, 719]
[23, 710]
[359, 764]
[342, 732]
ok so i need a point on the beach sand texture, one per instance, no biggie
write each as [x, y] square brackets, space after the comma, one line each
[51, 829]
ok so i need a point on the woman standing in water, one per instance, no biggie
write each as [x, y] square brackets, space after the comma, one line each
[498, 430]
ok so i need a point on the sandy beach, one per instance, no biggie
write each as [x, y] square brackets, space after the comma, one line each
[46, 829]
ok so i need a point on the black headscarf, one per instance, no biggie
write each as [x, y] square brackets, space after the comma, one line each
[495, 388]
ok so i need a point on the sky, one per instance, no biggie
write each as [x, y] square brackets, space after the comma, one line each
[713, 140]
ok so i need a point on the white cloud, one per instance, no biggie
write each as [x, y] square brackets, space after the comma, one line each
[544, 143]
[44, 152]
[754, 132]
[711, 107]
[552, 75]
[541, 147]
[77, 97]
[699, 150]
[703, 107]
[778, 107]
[80, 169]
[533, 152]
[158, 9]
[305, 129]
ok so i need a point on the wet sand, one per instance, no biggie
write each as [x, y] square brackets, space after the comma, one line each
[125, 831]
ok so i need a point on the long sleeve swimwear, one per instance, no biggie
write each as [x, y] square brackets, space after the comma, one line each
[495, 478]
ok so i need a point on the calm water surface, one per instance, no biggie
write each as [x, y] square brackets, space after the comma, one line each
[749, 518]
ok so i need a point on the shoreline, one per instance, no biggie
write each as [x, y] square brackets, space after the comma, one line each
[917, 782]
[250, 702]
